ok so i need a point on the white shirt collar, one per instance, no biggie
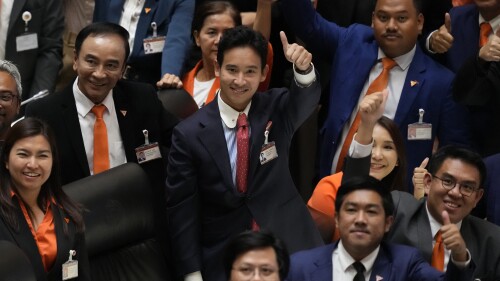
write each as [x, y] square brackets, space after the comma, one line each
[346, 260]
[84, 104]
[403, 61]
[228, 114]
[435, 225]
[495, 22]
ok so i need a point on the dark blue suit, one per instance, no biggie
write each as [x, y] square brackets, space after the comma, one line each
[393, 263]
[353, 51]
[492, 189]
[173, 19]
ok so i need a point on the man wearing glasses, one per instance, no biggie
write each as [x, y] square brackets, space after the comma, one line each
[10, 95]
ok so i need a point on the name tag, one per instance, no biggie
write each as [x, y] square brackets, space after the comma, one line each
[147, 152]
[153, 45]
[28, 41]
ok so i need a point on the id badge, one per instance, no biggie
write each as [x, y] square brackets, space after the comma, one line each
[153, 45]
[268, 153]
[420, 130]
[27, 41]
[70, 268]
[147, 152]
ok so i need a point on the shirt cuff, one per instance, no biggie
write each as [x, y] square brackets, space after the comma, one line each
[304, 79]
[428, 43]
[194, 276]
[462, 264]
[357, 150]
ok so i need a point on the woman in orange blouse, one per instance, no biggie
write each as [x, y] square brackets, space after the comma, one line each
[35, 213]
[388, 164]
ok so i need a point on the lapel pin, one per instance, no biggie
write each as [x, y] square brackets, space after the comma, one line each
[413, 83]
[66, 220]
[379, 278]
[147, 10]
[124, 112]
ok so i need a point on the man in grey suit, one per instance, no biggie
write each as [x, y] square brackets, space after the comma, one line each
[454, 184]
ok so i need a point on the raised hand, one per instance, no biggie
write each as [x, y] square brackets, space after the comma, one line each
[169, 81]
[296, 54]
[441, 40]
[418, 179]
[491, 51]
[452, 239]
[371, 108]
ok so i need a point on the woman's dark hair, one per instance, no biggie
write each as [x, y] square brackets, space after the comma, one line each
[209, 8]
[396, 179]
[51, 189]
[252, 240]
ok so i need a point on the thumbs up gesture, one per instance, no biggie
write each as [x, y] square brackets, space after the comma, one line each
[441, 39]
[418, 179]
[491, 51]
[296, 54]
[452, 239]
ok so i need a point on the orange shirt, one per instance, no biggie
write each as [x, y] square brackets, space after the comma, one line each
[45, 236]
[323, 198]
[188, 80]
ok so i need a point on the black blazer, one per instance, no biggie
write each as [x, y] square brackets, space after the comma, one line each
[72, 241]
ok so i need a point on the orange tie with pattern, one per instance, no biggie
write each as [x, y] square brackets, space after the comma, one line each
[101, 150]
[484, 32]
[379, 84]
[438, 253]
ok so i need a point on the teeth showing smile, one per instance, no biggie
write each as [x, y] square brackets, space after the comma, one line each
[451, 205]
[376, 166]
[31, 174]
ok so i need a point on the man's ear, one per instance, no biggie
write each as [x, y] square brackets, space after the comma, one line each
[265, 71]
[388, 223]
[217, 68]
[75, 57]
[427, 183]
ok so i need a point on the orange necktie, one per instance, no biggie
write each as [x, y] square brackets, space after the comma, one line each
[379, 84]
[438, 253]
[456, 3]
[484, 33]
[101, 150]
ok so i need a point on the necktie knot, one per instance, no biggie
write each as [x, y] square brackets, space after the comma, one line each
[484, 33]
[438, 237]
[98, 110]
[242, 121]
[388, 63]
[360, 269]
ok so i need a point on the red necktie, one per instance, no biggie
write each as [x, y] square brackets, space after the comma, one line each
[101, 150]
[242, 153]
[484, 33]
[438, 253]
[456, 3]
[379, 84]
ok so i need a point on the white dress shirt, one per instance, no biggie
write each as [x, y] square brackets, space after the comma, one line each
[342, 263]
[130, 18]
[6, 9]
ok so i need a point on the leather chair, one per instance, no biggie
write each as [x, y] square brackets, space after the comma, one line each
[178, 102]
[14, 264]
[120, 226]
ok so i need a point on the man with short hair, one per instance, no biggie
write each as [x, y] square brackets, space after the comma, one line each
[218, 183]
[363, 215]
[10, 95]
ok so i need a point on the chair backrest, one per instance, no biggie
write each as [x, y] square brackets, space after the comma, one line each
[14, 264]
[178, 102]
[120, 226]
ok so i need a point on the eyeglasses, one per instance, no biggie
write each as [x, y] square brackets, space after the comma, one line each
[7, 98]
[466, 189]
[265, 272]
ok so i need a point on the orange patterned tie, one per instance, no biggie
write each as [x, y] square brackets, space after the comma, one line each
[484, 33]
[101, 150]
[379, 84]
[438, 253]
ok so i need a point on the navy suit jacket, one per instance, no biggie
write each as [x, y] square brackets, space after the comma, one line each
[38, 67]
[173, 19]
[393, 263]
[353, 51]
[492, 189]
[205, 210]
[72, 241]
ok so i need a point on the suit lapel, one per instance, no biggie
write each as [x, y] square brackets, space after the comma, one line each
[424, 232]
[258, 122]
[74, 133]
[413, 83]
[114, 11]
[212, 138]
[63, 241]
[145, 20]
[382, 266]
[17, 7]
[126, 123]
[323, 263]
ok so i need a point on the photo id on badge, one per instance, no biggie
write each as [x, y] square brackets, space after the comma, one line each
[268, 151]
[154, 45]
[420, 130]
[147, 151]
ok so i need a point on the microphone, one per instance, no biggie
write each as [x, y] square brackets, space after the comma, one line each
[39, 95]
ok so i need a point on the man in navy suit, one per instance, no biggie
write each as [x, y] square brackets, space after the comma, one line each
[417, 82]
[206, 206]
[363, 215]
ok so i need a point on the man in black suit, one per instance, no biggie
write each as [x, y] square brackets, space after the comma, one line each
[209, 201]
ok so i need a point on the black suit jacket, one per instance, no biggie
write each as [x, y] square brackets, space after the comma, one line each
[205, 209]
[38, 67]
[72, 241]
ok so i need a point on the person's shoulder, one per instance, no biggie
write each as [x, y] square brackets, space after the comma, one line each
[483, 228]
[463, 10]
[311, 254]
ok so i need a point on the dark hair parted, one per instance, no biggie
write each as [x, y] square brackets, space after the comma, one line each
[240, 37]
[396, 179]
[50, 190]
[252, 240]
[101, 29]
[210, 8]
[418, 5]
[365, 183]
[458, 153]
